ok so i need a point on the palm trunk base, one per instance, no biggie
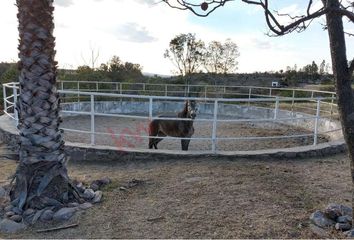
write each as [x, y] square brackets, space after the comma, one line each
[41, 185]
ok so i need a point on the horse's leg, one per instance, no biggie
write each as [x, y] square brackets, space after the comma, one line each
[157, 140]
[185, 144]
[151, 142]
[153, 131]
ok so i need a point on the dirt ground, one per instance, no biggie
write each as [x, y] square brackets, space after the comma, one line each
[129, 126]
[209, 198]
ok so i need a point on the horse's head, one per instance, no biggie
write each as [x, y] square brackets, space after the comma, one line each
[192, 109]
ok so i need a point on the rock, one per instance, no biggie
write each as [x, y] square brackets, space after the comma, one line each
[333, 211]
[16, 218]
[28, 212]
[64, 214]
[94, 186]
[350, 233]
[97, 184]
[85, 206]
[319, 232]
[9, 214]
[9, 226]
[73, 204]
[89, 194]
[319, 219]
[344, 219]
[47, 215]
[98, 197]
[346, 211]
[105, 180]
[80, 187]
[343, 226]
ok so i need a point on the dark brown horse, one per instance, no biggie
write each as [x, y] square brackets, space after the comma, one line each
[174, 128]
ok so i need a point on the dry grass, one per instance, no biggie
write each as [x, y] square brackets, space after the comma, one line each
[210, 198]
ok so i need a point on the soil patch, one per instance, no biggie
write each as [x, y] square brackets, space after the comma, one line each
[209, 198]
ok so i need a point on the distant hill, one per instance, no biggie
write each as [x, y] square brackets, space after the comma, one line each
[147, 74]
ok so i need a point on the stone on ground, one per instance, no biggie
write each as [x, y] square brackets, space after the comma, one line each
[321, 220]
[47, 215]
[9, 226]
[64, 214]
[98, 197]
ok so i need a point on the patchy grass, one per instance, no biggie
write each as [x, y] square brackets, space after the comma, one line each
[210, 198]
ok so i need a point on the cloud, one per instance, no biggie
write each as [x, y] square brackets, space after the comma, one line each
[64, 3]
[261, 44]
[147, 2]
[133, 32]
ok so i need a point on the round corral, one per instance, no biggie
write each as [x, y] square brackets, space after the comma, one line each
[239, 127]
[110, 125]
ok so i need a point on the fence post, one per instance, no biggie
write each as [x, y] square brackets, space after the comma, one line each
[249, 95]
[117, 87]
[332, 102]
[166, 90]
[316, 122]
[213, 137]
[276, 109]
[270, 92]
[62, 85]
[92, 119]
[4, 94]
[205, 91]
[150, 108]
[78, 91]
[293, 101]
[120, 88]
[15, 103]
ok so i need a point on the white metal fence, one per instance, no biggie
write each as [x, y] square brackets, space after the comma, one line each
[318, 104]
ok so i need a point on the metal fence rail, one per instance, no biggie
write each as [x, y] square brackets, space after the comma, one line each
[317, 99]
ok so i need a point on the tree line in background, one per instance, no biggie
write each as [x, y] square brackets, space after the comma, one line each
[196, 63]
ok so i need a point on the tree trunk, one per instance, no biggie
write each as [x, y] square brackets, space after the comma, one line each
[342, 77]
[41, 177]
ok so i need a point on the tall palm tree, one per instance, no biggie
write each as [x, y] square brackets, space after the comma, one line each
[41, 178]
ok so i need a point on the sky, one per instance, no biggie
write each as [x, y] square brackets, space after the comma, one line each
[139, 31]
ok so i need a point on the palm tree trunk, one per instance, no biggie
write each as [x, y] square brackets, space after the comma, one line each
[41, 177]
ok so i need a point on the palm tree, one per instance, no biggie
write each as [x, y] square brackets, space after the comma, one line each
[41, 177]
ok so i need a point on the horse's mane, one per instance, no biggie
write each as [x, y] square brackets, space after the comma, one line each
[184, 112]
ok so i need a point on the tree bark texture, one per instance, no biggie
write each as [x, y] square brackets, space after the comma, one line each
[41, 176]
[345, 97]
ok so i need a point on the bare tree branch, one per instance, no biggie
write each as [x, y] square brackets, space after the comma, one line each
[344, 12]
[299, 24]
[309, 7]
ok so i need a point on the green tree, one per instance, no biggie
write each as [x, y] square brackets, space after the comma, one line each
[186, 53]
[221, 57]
[334, 11]
[322, 69]
[10, 74]
[41, 176]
